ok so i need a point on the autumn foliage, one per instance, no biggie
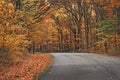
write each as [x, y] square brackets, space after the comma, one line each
[30, 26]
[13, 39]
[29, 69]
[83, 26]
[58, 26]
[19, 31]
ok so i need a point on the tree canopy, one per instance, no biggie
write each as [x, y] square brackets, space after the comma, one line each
[29, 26]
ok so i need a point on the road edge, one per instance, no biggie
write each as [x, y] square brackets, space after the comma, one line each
[37, 76]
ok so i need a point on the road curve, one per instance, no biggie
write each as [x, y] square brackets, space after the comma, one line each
[83, 66]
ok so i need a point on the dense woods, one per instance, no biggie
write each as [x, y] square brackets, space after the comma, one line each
[29, 26]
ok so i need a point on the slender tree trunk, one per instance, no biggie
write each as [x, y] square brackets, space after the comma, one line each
[33, 47]
[17, 4]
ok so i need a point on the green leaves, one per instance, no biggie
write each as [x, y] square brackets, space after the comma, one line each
[105, 30]
[106, 25]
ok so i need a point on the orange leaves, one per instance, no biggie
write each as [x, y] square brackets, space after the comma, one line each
[7, 9]
[30, 20]
[27, 69]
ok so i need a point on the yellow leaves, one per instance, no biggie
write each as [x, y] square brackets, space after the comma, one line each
[60, 13]
[6, 8]
[100, 42]
[30, 20]
[100, 33]
[10, 6]
[7, 24]
[2, 2]
[66, 31]
[13, 38]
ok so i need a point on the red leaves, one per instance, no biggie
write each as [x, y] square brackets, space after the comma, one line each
[27, 69]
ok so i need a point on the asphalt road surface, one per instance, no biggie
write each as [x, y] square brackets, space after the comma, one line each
[83, 66]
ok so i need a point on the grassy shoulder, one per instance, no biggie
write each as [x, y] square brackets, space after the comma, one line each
[27, 69]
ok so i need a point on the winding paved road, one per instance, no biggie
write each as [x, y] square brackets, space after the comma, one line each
[83, 66]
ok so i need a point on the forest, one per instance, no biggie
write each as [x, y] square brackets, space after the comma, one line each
[82, 26]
